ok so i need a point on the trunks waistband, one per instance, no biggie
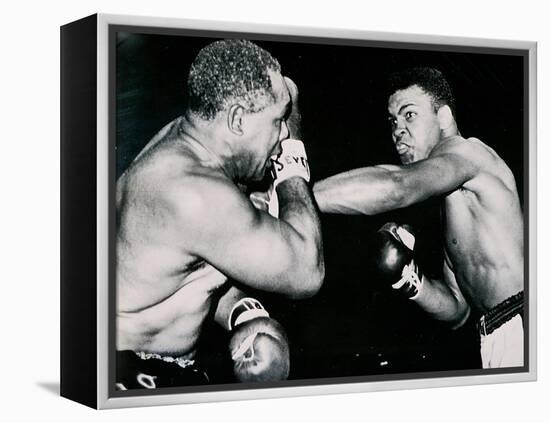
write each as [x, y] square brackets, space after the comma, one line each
[501, 314]
[180, 361]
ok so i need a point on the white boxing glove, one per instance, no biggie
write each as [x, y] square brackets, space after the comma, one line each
[258, 345]
[245, 309]
[291, 162]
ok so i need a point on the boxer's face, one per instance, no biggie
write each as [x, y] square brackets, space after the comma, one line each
[414, 124]
[267, 128]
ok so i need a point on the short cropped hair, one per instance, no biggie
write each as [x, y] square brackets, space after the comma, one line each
[430, 80]
[231, 72]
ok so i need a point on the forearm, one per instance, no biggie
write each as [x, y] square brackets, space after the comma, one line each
[225, 304]
[294, 123]
[368, 190]
[297, 209]
[294, 120]
[441, 303]
[393, 254]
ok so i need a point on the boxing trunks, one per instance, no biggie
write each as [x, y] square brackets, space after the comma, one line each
[501, 334]
[149, 371]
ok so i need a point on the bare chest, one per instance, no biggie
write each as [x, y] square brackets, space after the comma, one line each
[460, 222]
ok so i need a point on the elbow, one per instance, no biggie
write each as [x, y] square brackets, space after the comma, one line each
[308, 284]
[460, 317]
[396, 192]
[315, 282]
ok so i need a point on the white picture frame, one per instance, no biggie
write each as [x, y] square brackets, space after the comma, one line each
[93, 322]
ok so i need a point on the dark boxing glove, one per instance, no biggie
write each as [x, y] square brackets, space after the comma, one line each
[258, 346]
[394, 259]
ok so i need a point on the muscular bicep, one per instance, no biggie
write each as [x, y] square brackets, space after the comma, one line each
[245, 244]
[437, 175]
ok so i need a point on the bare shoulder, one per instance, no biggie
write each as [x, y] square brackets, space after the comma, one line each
[205, 198]
[488, 165]
[175, 183]
[471, 149]
[169, 131]
[474, 153]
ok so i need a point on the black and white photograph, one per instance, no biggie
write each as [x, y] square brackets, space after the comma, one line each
[296, 211]
[288, 211]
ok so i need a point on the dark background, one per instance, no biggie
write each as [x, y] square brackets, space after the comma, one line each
[353, 327]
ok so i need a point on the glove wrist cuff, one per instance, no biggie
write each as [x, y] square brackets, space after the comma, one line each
[244, 310]
[411, 281]
[291, 162]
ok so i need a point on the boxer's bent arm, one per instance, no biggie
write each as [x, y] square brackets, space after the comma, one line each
[220, 225]
[377, 189]
[443, 302]
[225, 305]
[297, 209]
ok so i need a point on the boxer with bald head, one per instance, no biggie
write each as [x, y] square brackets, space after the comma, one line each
[185, 226]
[483, 251]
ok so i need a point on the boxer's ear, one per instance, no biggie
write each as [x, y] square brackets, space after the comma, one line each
[235, 119]
[445, 117]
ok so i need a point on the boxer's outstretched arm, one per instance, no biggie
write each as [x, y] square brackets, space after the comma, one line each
[368, 190]
[377, 189]
[219, 224]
